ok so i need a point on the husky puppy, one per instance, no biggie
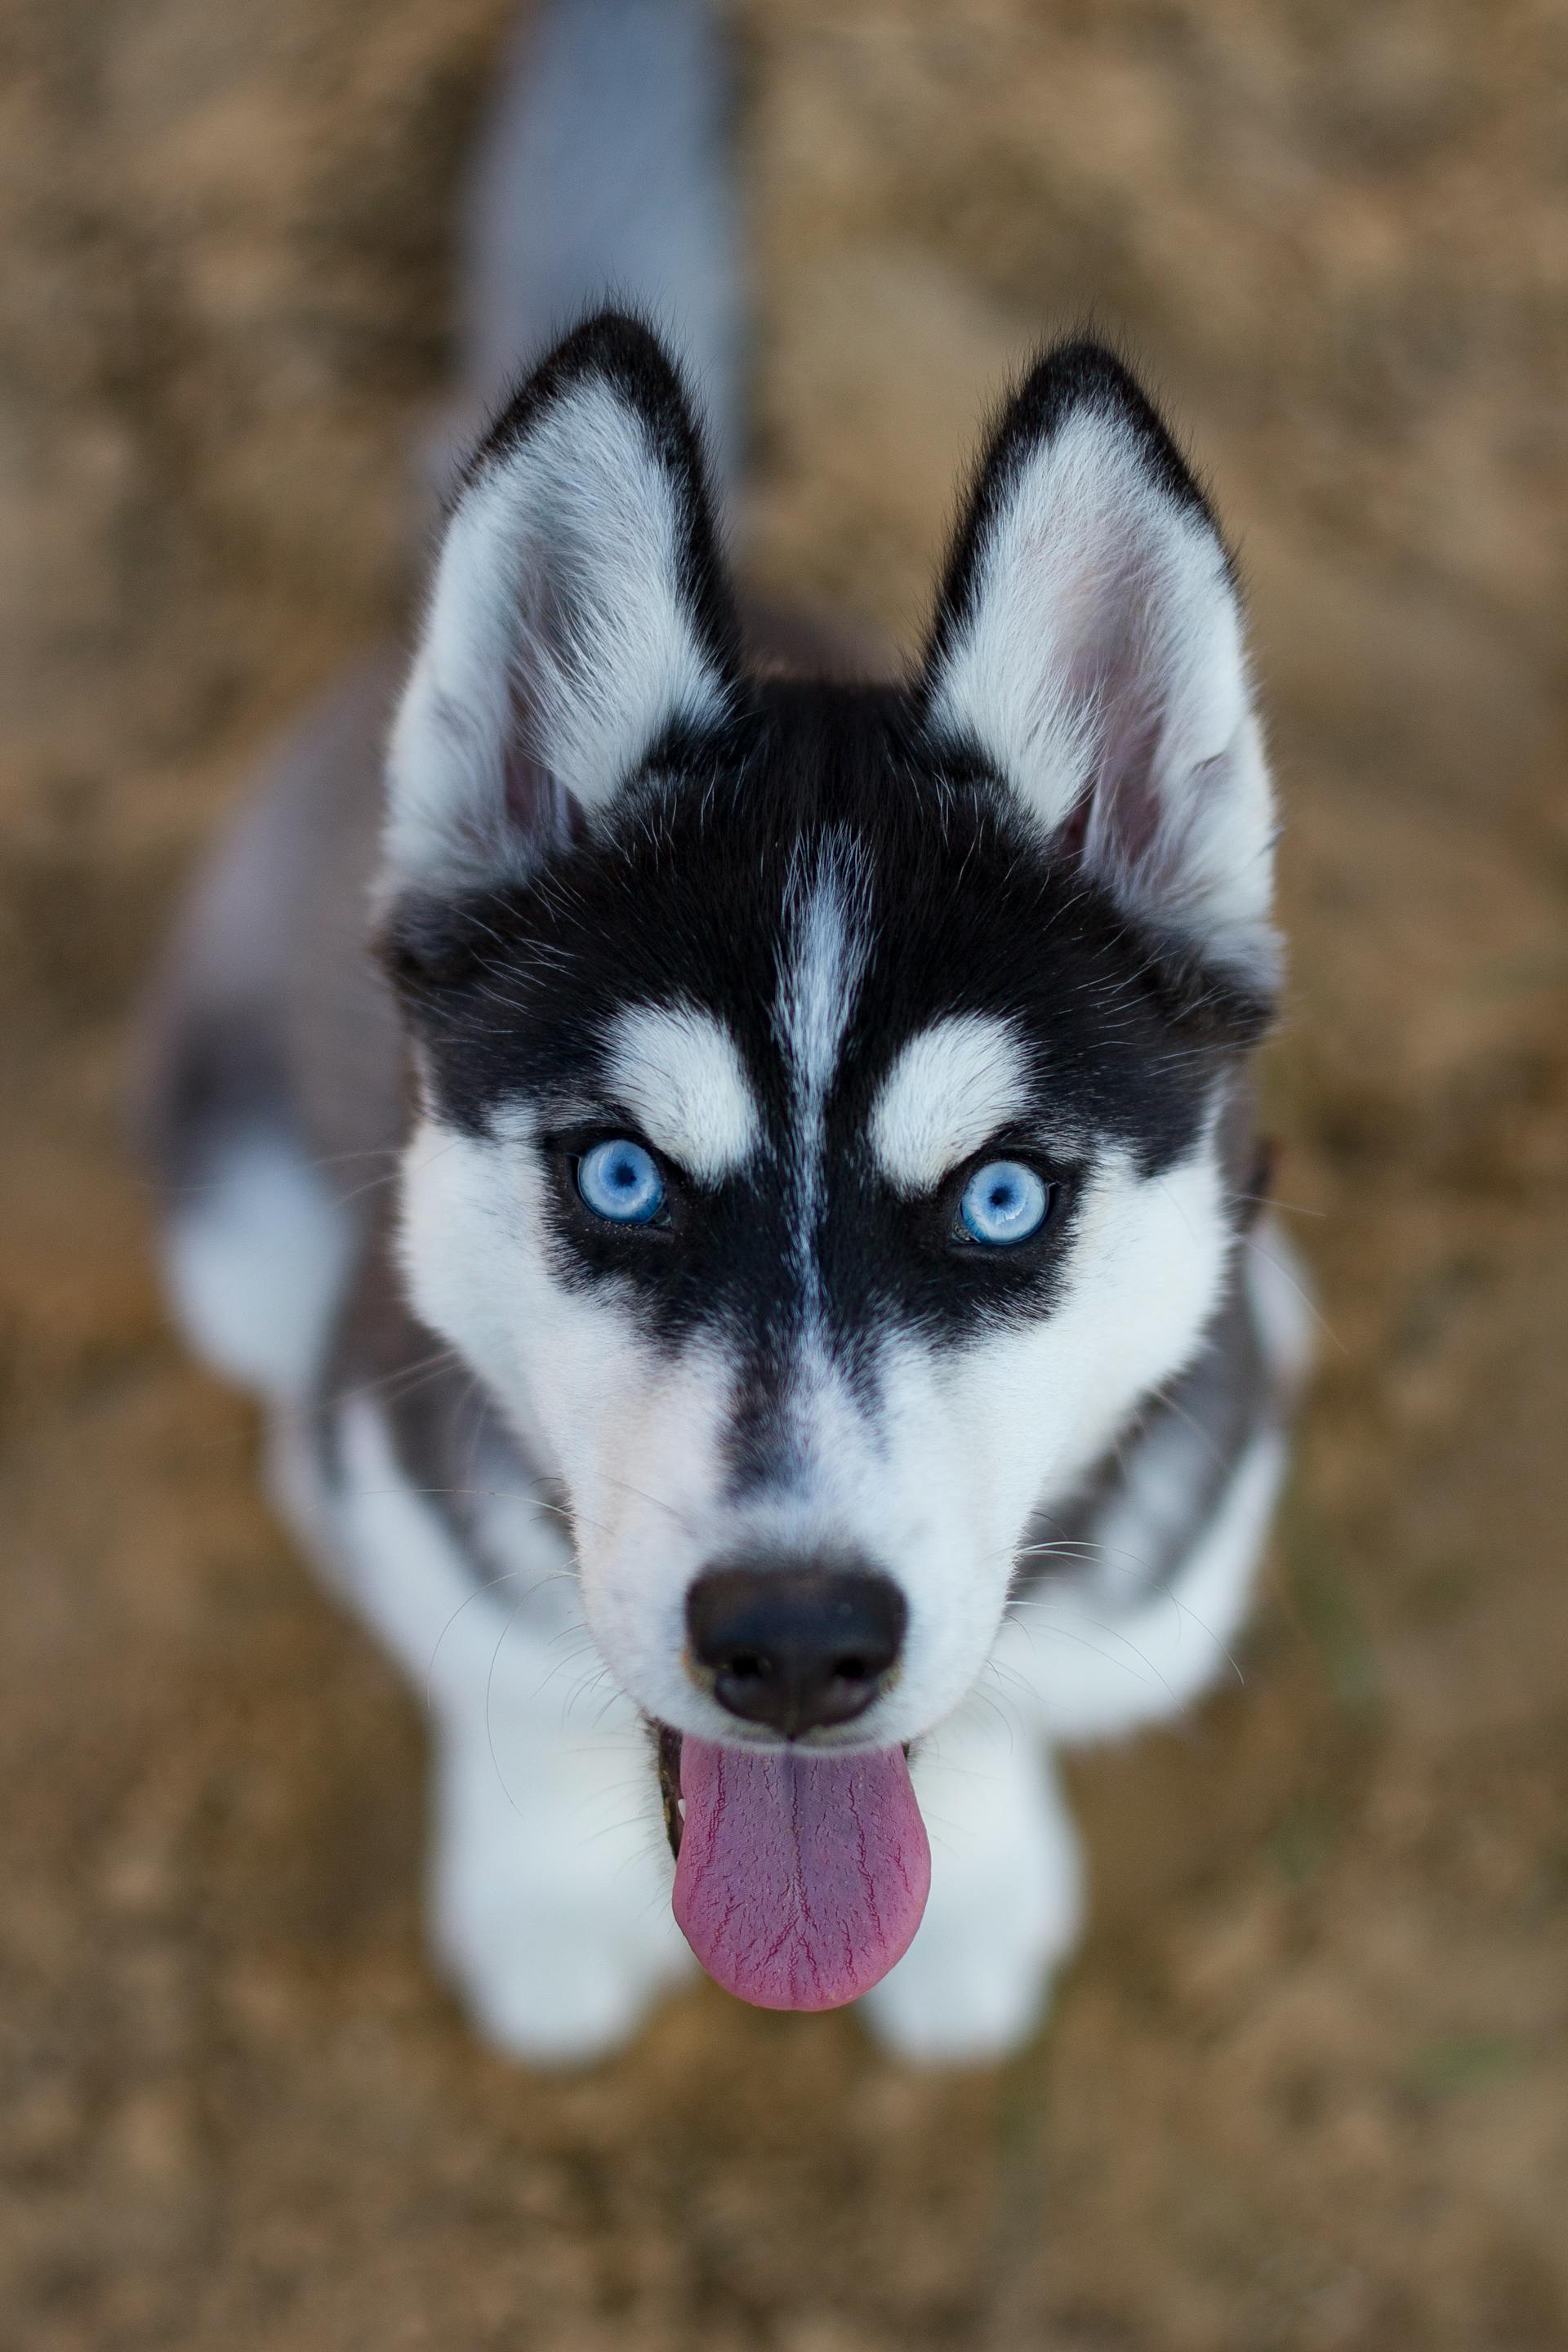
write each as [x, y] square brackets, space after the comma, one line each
[820, 1353]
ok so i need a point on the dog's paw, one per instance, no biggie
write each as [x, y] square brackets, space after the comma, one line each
[553, 1985]
[1004, 1908]
[556, 1932]
[967, 1993]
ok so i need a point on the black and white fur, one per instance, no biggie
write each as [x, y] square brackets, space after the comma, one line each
[819, 945]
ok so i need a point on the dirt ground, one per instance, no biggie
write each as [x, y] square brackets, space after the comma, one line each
[1308, 2085]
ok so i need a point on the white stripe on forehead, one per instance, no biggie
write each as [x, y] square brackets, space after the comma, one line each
[678, 1071]
[827, 955]
[824, 953]
[952, 1086]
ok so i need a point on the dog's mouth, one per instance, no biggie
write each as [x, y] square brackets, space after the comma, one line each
[801, 1874]
[670, 1796]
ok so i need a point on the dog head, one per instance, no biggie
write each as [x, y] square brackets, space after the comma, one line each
[820, 1087]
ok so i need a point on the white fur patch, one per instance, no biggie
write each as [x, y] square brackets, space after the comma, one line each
[678, 1071]
[556, 629]
[255, 1262]
[949, 1091]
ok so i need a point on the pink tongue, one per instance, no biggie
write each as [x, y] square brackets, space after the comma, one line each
[802, 1877]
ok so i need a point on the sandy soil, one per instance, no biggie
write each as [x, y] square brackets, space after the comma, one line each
[1307, 2087]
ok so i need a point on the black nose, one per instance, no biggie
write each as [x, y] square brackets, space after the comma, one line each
[795, 1647]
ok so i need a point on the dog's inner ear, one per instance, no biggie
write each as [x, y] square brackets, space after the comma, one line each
[578, 613]
[1088, 648]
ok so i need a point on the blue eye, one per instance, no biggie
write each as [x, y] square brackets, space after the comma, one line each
[619, 1180]
[1003, 1202]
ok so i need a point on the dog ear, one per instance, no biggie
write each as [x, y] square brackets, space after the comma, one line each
[1088, 647]
[579, 616]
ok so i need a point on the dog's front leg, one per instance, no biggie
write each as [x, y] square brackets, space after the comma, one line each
[550, 1876]
[1006, 1895]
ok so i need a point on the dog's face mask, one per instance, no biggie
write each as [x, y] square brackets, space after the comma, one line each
[820, 1152]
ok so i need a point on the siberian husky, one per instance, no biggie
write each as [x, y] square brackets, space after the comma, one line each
[816, 1351]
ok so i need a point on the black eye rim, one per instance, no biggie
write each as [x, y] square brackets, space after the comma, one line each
[567, 1151]
[567, 1148]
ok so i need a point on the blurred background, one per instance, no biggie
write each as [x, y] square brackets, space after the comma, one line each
[1308, 2084]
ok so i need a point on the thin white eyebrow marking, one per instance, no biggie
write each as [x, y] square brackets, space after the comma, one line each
[678, 1071]
[952, 1086]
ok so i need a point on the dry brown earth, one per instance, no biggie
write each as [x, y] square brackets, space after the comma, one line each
[1308, 2087]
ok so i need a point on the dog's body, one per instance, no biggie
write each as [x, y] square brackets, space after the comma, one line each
[827, 1157]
